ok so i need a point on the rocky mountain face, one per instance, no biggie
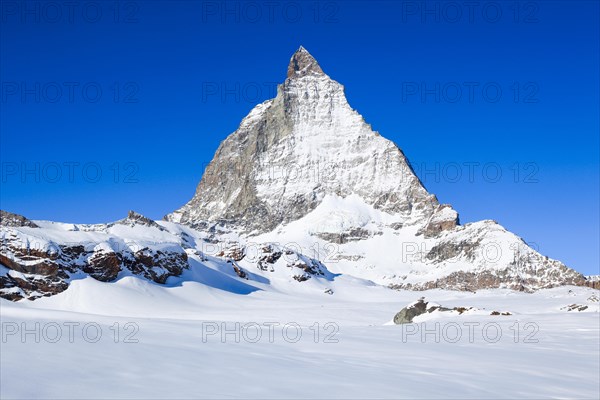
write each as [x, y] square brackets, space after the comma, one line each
[15, 220]
[593, 281]
[292, 151]
[41, 262]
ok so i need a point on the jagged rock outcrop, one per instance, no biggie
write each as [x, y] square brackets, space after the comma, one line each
[134, 218]
[103, 265]
[233, 251]
[444, 218]
[406, 315]
[351, 235]
[10, 219]
[37, 265]
[44, 261]
[18, 287]
[420, 307]
[592, 281]
[303, 268]
[575, 307]
[302, 64]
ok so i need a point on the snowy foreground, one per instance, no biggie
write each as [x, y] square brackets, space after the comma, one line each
[137, 339]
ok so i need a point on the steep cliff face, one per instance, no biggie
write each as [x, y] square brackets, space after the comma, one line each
[292, 151]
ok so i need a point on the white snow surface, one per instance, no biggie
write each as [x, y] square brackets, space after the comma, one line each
[555, 354]
[357, 354]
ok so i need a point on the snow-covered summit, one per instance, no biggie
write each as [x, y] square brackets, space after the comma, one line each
[306, 167]
[292, 151]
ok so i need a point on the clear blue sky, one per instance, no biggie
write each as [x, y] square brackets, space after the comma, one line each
[177, 77]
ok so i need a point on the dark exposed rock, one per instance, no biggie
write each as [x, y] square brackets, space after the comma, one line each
[451, 250]
[157, 265]
[134, 218]
[351, 235]
[268, 257]
[301, 278]
[302, 63]
[15, 220]
[29, 261]
[9, 289]
[104, 266]
[31, 287]
[240, 272]
[396, 225]
[46, 271]
[235, 252]
[312, 268]
[575, 307]
[303, 268]
[443, 219]
[406, 315]
[592, 281]
[507, 278]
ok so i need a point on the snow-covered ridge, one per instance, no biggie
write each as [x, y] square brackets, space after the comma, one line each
[341, 244]
[43, 258]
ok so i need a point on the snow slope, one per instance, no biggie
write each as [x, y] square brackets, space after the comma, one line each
[167, 346]
[354, 238]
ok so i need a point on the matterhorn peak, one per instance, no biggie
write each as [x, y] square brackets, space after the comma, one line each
[308, 130]
[303, 63]
[306, 168]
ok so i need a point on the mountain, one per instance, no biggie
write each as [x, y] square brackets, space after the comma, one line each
[291, 152]
[303, 197]
[306, 168]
